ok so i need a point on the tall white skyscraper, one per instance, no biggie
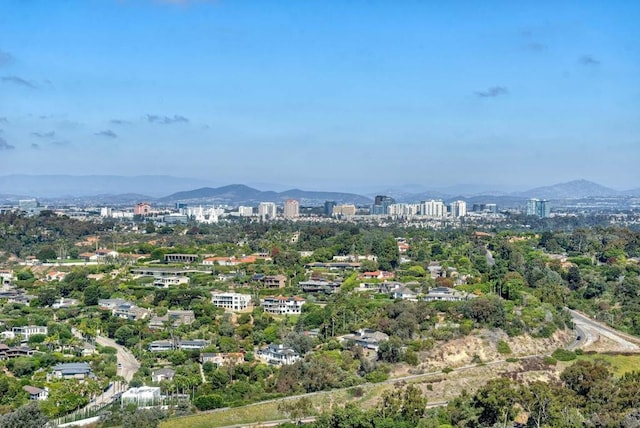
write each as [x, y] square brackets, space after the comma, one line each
[433, 208]
[458, 208]
[267, 210]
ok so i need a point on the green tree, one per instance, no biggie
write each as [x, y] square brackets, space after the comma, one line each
[91, 295]
[28, 416]
[583, 376]
[47, 253]
[390, 350]
[495, 402]
[143, 418]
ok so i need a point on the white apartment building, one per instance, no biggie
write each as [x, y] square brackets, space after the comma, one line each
[231, 301]
[458, 208]
[281, 305]
[267, 210]
[404, 210]
[245, 211]
[433, 208]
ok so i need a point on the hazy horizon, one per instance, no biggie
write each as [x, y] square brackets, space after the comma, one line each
[323, 95]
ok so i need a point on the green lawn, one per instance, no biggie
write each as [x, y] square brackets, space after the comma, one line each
[240, 415]
[254, 413]
[620, 364]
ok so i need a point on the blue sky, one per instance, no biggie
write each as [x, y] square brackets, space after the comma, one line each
[340, 95]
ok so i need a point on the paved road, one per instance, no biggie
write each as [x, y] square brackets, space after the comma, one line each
[590, 331]
[127, 363]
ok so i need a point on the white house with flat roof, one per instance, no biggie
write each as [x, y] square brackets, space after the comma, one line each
[232, 301]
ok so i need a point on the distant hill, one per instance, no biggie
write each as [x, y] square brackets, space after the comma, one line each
[571, 190]
[239, 193]
[632, 192]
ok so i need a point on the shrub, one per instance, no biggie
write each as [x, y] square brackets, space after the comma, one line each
[503, 347]
[447, 370]
[208, 402]
[550, 361]
[564, 355]
[512, 360]
[378, 375]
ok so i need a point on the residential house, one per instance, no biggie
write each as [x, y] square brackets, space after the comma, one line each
[436, 270]
[320, 286]
[221, 359]
[333, 265]
[447, 294]
[403, 247]
[129, 311]
[355, 258]
[173, 318]
[36, 393]
[281, 305]
[170, 345]
[230, 261]
[161, 346]
[65, 302]
[274, 281]
[15, 295]
[27, 331]
[99, 255]
[221, 261]
[378, 274]
[181, 258]
[277, 355]
[71, 371]
[367, 338]
[194, 344]
[231, 301]
[161, 271]
[159, 375]
[112, 303]
[403, 293]
[6, 277]
[7, 352]
[166, 281]
[54, 275]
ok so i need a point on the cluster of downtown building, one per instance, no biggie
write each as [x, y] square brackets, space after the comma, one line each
[382, 207]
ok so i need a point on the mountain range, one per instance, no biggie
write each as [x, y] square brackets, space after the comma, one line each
[108, 189]
[239, 193]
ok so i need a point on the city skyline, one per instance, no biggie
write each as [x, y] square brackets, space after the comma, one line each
[322, 95]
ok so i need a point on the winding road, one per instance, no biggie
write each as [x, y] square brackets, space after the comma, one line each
[127, 363]
[589, 331]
